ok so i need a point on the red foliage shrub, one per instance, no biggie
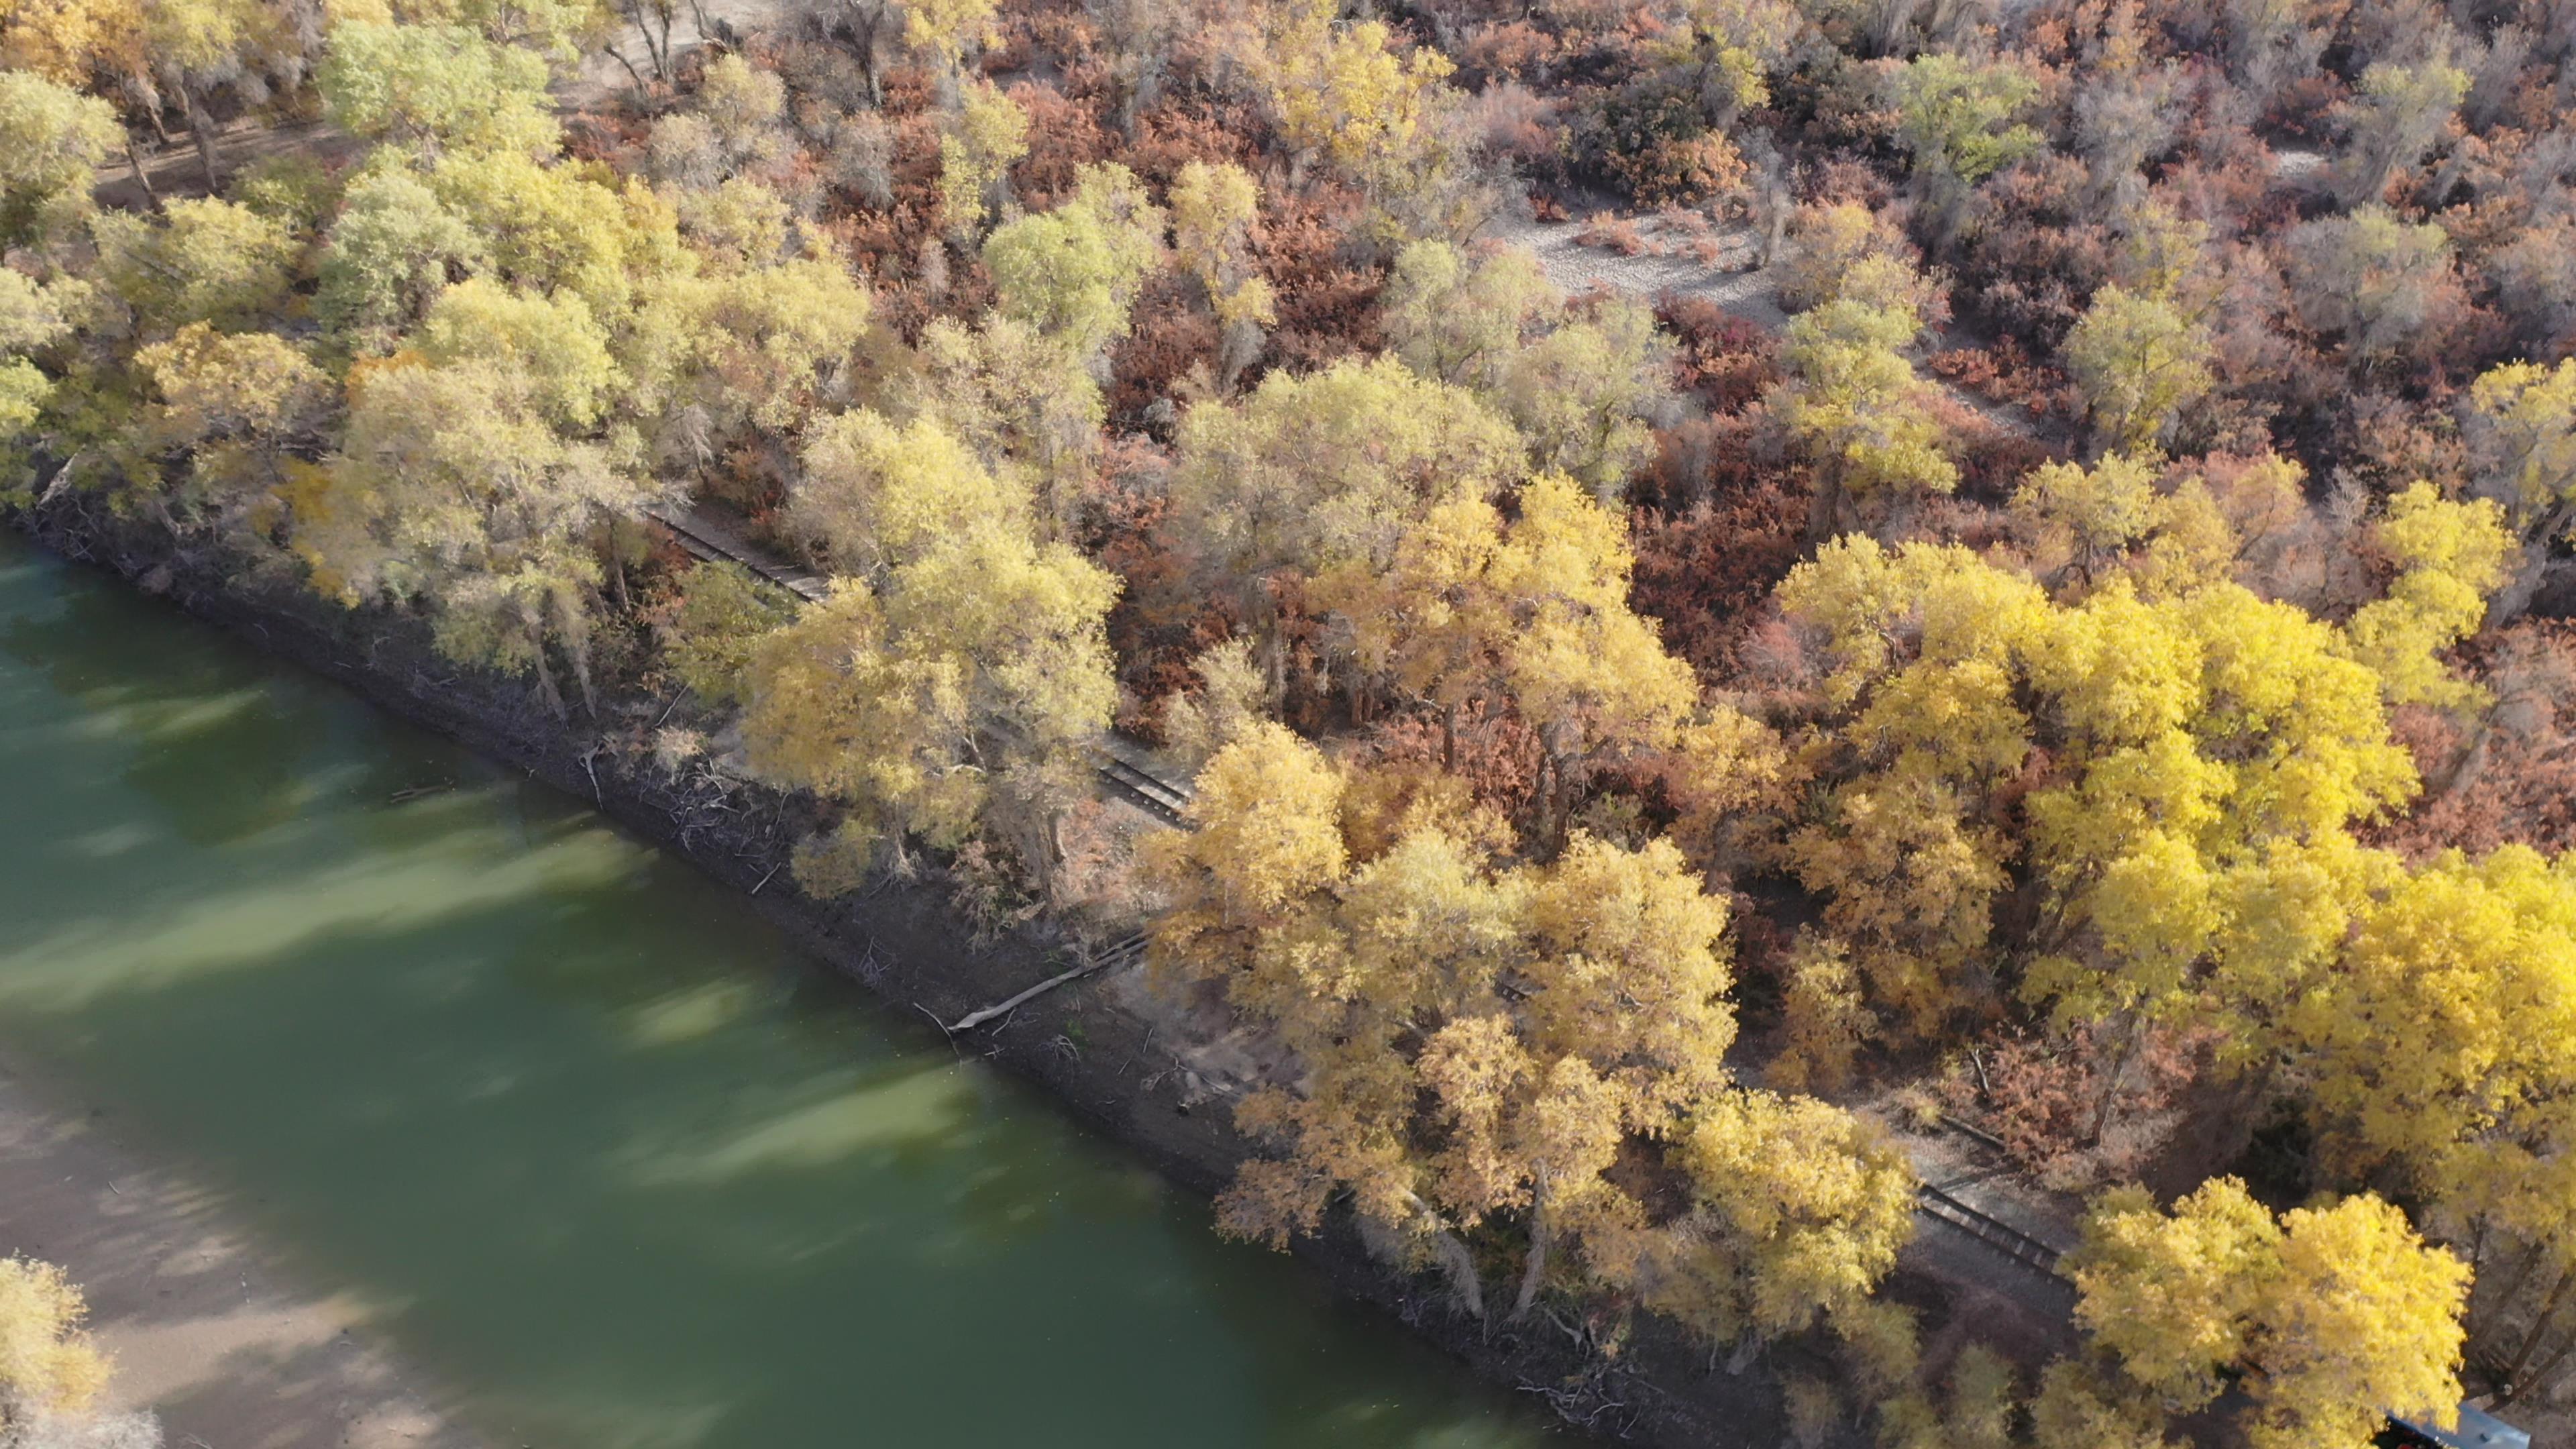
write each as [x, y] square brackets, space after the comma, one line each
[1727, 359]
[1168, 335]
[1327, 298]
[1064, 134]
[2042, 1094]
[1498, 756]
[2509, 776]
[1720, 518]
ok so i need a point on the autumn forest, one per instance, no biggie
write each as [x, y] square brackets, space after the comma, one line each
[2046, 609]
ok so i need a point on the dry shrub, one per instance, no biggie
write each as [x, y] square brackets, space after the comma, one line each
[1993, 460]
[2041, 1094]
[2304, 108]
[1618, 233]
[1327, 296]
[1171, 136]
[2507, 775]
[1519, 124]
[1498, 756]
[1168, 336]
[1097, 876]
[1505, 52]
[1728, 360]
[988, 886]
[1160, 622]
[1064, 135]
[1717, 526]
[2003, 373]
[1682, 169]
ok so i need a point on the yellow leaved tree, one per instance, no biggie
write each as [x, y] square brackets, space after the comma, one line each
[47, 1364]
[1534, 612]
[2335, 1317]
[951, 679]
[1478, 1043]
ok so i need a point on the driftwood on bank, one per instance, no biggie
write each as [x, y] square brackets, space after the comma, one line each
[1123, 951]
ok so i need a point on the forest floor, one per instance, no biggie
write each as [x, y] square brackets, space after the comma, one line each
[206, 1327]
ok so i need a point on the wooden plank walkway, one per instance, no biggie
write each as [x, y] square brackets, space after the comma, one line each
[710, 534]
[2005, 1239]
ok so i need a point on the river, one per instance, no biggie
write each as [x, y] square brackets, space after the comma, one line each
[609, 1161]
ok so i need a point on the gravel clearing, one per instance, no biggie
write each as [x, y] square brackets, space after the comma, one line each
[1749, 292]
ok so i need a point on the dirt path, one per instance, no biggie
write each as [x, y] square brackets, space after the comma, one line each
[1732, 283]
[207, 1327]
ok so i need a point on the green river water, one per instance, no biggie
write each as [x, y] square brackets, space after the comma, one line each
[617, 1166]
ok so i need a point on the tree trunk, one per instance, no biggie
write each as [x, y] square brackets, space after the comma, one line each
[576, 648]
[1274, 661]
[1461, 1268]
[865, 38]
[1450, 1252]
[2541, 1375]
[201, 131]
[1541, 790]
[1534, 1268]
[656, 50]
[546, 690]
[632, 73]
[1449, 737]
[142, 177]
[1560, 796]
[974, 1019]
[2512, 1376]
[1051, 854]
[2129, 1038]
[2469, 763]
[2503, 1300]
[1824, 508]
[2514, 599]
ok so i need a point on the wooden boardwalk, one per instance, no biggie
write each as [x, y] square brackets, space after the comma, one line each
[1938, 1206]
[710, 534]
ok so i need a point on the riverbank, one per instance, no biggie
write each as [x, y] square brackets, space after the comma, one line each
[207, 1327]
[1097, 1057]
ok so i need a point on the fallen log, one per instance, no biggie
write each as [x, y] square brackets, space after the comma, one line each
[974, 1019]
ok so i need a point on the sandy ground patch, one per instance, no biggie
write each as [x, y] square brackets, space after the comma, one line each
[208, 1327]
